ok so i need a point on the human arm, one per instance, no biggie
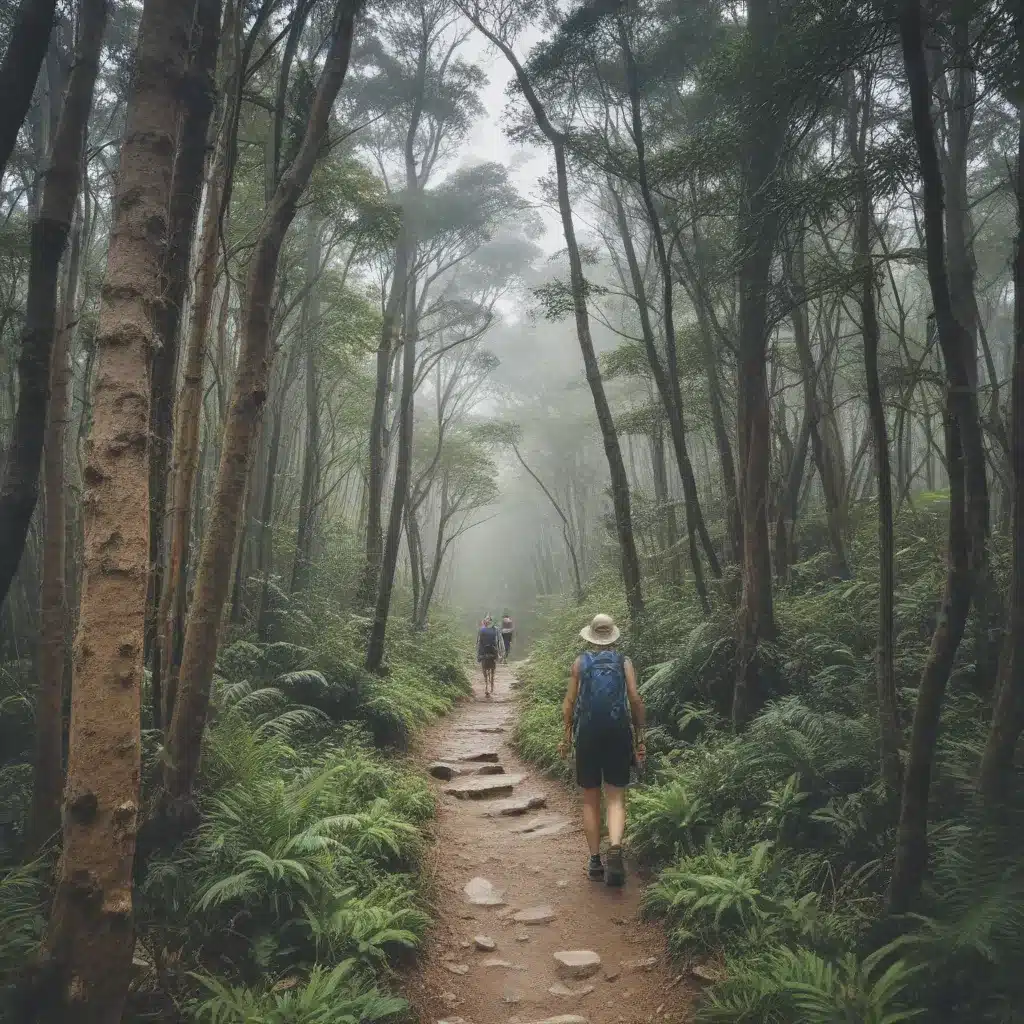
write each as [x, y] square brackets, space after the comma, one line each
[637, 710]
[568, 705]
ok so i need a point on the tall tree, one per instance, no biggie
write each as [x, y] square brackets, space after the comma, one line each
[90, 937]
[26, 51]
[213, 577]
[495, 26]
[19, 483]
[968, 487]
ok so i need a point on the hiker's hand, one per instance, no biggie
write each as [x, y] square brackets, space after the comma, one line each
[641, 751]
[563, 747]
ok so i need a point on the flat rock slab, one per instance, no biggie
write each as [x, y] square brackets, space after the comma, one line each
[465, 757]
[577, 963]
[483, 788]
[534, 915]
[496, 962]
[563, 1018]
[482, 893]
[515, 806]
[443, 770]
[456, 968]
[491, 729]
[485, 943]
[648, 963]
[540, 821]
[558, 989]
[488, 769]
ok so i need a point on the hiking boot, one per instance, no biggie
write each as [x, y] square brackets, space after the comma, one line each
[615, 872]
[595, 869]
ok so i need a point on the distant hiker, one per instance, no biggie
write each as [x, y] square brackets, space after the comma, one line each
[507, 629]
[487, 653]
[601, 699]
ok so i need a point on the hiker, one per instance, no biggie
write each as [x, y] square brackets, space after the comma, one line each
[507, 629]
[487, 652]
[603, 716]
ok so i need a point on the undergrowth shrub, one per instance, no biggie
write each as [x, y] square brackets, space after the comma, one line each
[772, 848]
[299, 892]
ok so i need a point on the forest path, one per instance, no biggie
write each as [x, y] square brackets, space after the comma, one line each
[521, 833]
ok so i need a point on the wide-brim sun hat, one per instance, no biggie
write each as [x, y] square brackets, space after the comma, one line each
[601, 632]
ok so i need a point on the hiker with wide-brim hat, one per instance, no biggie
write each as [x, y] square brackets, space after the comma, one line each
[602, 713]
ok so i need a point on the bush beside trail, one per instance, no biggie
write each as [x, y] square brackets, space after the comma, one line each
[299, 892]
[772, 849]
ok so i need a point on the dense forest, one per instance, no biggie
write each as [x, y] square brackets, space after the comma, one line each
[327, 326]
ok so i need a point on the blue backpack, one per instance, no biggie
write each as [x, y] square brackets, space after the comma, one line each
[601, 703]
[488, 642]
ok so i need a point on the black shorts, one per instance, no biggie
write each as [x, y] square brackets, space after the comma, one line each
[489, 662]
[507, 638]
[604, 757]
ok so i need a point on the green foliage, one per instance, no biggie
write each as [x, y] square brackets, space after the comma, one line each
[772, 848]
[337, 996]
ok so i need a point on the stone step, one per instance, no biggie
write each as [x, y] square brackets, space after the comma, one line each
[577, 963]
[481, 893]
[516, 805]
[483, 788]
[474, 755]
[542, 824]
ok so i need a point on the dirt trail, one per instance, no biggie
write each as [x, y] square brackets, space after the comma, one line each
[535, 859]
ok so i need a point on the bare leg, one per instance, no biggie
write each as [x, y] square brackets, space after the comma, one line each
[592, 819]
[615, 798]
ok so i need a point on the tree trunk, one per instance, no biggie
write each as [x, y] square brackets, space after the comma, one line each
[19, 479]
[213, 578]
[393, 537]
[789, 501]
[758, 231]
[822, 438]
[968, 494]
[26, 51]
[48, 780]
[673, 396]
[631, 576]
[378, 419]
[1008, 715]
[90, 938]
[186, 191]
[188, 416]
[311, 455]
[265, 526]
[666, 395]
[668, 530]
[890, 735]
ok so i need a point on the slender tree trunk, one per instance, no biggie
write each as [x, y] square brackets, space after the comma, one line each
[890, 735]
[694, 515]
[311, 455]
[666, 395]
[1008, 715]
[249, 393]
[789, 501]
[48, 780]
[90, 938]
[631, 576]
[378, 465]
[968, 494]
[758, 231]
[19, 477]
[26, 51]
[393, 537]
[186, 191]
[667, 528]
[822, 438]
